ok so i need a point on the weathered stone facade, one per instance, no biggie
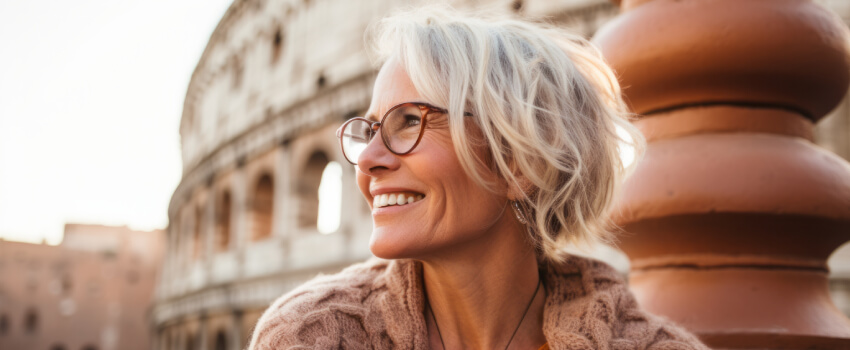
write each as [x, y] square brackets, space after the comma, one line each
[275, 81]
[92, 292]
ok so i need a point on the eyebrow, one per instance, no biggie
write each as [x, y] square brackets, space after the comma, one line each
[374, 118]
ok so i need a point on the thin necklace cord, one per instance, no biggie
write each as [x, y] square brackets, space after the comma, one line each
[443, 344]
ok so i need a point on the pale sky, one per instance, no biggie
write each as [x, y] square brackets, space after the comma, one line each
[91, 94]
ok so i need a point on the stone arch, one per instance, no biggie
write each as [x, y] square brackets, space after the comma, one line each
[185, 236]
[277, 43]
[220, 340]
[197, 234]
[176, 227]
[4, 324]
[238, 69]
[31, 321]
[190, 342]
[67, 284]
[223, 213]
[262, 208]
[308, 189]
[330, 199]
[165, 340]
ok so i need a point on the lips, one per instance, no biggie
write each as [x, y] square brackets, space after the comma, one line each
[396, 198]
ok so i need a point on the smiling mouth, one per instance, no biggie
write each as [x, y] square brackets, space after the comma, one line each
[401, 198]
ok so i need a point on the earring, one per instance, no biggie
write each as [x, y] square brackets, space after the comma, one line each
[518, 212]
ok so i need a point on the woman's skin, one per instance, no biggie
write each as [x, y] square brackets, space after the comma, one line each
[479, 271]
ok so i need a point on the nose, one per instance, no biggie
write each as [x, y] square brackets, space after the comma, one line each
[376, 158]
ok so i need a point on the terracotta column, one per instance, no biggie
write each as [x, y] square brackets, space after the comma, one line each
[734, 210]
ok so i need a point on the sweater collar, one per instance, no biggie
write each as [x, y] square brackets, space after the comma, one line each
[582, 298]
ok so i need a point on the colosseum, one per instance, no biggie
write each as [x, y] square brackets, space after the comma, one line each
[260, 159]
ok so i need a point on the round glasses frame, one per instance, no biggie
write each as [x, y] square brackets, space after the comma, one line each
[424, 108]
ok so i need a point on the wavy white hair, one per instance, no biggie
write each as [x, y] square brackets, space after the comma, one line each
[544, 102]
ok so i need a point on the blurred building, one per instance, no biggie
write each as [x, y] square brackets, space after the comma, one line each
[833, 133]
[274, 82]
[91, 292]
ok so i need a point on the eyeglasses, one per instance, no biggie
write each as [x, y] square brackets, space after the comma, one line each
[401, 128]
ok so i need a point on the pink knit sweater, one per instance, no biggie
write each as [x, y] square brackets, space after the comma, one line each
[379, 304]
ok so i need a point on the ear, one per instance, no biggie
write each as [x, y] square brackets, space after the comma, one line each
[521, 189]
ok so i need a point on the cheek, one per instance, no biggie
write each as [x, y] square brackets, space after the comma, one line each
[444, 166]
[470, 206]
[363, 184]
[459, 199]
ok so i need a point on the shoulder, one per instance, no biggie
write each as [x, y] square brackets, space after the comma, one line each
[634, 324]
[596, 300]
[652, 332]
[322, 312]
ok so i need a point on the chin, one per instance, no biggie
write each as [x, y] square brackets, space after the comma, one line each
[388, 244]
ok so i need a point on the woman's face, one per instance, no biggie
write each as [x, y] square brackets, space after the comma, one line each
[453, 212]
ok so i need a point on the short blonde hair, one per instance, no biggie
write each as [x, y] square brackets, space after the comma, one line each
[547, 105]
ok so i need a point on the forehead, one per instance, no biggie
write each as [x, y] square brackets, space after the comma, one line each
[392, 86]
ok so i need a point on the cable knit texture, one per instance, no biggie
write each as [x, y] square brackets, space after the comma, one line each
[379, 304]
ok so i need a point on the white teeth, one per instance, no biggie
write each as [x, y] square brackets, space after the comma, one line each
[387, 199]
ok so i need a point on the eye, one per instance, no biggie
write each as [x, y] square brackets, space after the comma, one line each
[411, 120]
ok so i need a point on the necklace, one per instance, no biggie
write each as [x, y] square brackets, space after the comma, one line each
[539, 282]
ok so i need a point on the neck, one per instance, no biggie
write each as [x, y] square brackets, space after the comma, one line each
[479, 292]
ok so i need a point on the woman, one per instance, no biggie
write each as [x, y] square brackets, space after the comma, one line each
[489, 144]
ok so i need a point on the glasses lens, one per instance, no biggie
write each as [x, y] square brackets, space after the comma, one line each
[355, 137]
[401, 128]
